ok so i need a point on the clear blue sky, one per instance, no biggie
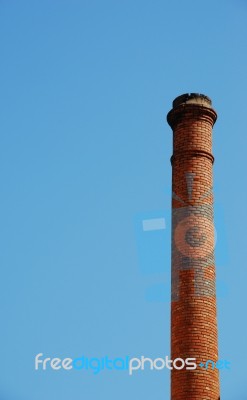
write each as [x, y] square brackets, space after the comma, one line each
[85, 150]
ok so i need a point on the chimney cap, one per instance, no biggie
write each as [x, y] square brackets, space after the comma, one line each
[192, 98]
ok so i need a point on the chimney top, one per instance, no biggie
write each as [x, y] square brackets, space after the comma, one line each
[192, 98]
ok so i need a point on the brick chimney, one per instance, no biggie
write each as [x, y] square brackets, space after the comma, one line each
[193, 301]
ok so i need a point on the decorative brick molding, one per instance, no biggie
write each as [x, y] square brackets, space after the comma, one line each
[193, 301]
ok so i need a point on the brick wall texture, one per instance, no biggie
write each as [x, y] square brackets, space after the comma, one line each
[193, 301]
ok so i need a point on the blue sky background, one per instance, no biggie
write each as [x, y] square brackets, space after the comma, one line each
[85, 150]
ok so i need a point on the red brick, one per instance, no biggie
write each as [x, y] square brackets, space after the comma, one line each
[193, 304]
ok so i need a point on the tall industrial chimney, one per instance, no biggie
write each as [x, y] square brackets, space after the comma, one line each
[193, 302]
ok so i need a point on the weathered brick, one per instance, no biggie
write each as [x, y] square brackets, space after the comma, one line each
[193, 305]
